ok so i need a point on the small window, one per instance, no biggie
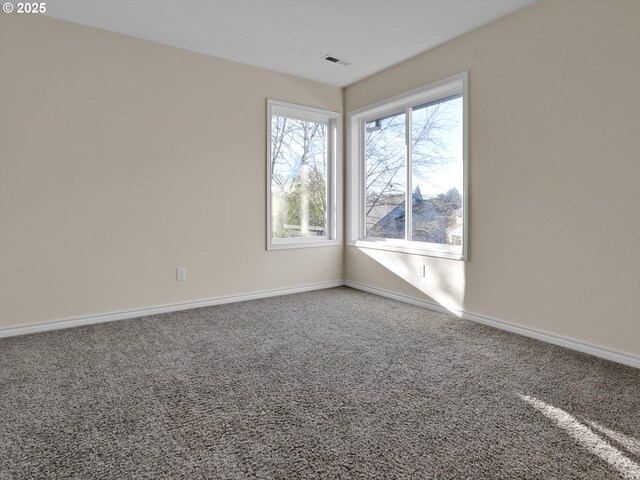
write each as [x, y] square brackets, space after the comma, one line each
[408, 164]
[302, 166]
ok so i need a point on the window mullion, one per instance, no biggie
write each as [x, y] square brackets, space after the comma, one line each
[363, 188]
[408, 230]
[329, 209]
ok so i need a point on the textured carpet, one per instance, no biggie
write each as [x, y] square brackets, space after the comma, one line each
[328, 384]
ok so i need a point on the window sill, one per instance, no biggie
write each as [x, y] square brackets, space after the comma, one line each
[414, 248]
[302, 244]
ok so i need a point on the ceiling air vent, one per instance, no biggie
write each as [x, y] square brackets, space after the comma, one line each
[339, 61]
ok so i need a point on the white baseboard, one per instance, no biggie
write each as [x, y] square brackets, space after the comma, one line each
[577, 345]
[554, 339]
[173, 307]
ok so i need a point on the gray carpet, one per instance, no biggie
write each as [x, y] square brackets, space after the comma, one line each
[328, 384]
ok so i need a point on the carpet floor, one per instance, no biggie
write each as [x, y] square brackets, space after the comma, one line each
[328, 384]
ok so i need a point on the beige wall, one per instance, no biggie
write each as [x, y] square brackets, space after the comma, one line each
[554, 172]
[120, 160]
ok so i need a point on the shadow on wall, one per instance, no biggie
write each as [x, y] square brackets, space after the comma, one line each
[443, 282]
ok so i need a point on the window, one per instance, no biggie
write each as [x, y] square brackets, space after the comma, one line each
[408, 172]
[302, 176]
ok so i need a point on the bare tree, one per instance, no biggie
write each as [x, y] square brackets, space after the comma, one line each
[386, 151]
[298, 179]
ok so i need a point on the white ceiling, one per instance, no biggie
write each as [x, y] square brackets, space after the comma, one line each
[292, 36]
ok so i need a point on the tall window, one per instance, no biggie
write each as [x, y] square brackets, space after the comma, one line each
[408, 172]
[302, 194]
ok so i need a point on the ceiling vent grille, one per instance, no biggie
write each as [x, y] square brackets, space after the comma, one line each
[339, 61]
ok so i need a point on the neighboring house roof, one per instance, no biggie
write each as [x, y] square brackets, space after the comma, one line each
[382, 206]
[434, 219]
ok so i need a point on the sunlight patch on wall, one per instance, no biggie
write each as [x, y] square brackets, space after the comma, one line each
[443, 281]
[584, 436]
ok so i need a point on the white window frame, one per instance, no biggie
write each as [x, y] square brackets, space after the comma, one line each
[456, 84]
[334, 167]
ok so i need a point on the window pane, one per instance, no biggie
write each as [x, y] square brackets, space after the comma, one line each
[385, 177]
[437, 172]
[298, 178]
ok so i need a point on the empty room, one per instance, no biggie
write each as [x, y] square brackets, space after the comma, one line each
[320, 239]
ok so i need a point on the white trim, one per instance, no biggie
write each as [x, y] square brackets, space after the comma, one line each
[596, 351]
[300, 112]
[172, 307]
[439, 89]
[452, 252]
[304, 242]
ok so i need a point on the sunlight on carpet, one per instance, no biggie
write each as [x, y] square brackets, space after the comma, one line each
[629, 469]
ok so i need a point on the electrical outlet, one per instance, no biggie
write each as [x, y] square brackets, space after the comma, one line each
[181, 274]
[422, 270]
